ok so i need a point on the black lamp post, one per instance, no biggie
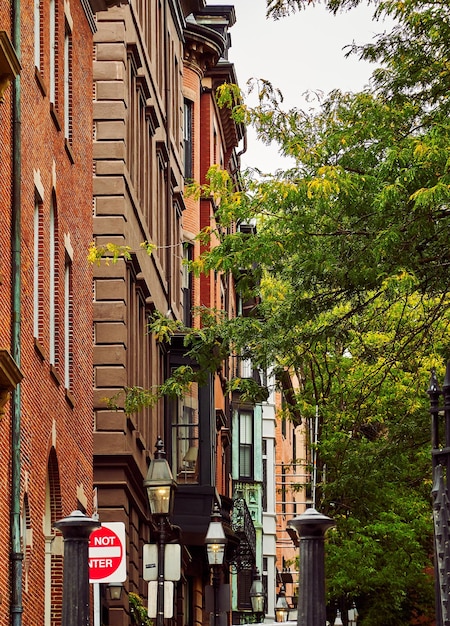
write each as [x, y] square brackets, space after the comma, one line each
[282, 606]
[311, 527]
[76, 529]
[160, 486]
[215, 542]
[257, 595]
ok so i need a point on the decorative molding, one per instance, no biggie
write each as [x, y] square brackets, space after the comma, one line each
[9, 63]
[10, 377]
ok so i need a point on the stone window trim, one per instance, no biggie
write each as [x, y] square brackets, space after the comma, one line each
[9, 64]
[10, 377]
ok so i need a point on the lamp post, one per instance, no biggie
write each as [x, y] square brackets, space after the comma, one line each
[311, 527]
[282, 606]
[160, 486]
[257, 595]
[215, 542]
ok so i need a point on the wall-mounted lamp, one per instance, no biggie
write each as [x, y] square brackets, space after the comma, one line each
[115, 591]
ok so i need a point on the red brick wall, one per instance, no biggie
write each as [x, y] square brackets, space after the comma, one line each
[50, 417]
[5, 315]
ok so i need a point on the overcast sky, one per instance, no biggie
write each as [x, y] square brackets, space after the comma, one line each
[303, 52]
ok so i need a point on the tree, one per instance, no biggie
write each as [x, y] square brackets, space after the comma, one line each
[348, 272]
[349, 266]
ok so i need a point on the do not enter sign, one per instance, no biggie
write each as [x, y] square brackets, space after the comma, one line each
[107, 563]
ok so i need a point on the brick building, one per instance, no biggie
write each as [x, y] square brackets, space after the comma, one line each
[156, 125]
[46, 286]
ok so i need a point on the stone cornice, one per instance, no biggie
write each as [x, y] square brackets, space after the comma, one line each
[10, 377]
[9, 63]
[203, 47]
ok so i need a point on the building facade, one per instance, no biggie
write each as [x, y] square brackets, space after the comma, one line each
[156, 127]
[295, 479]
[75, 351]
[46, 285]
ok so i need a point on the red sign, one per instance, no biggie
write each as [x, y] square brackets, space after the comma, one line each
[107, 553]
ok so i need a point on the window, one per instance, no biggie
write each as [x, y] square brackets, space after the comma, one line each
[244, 583]
[245, 444]
[68, 83]
[185, 444]
[294, 451]
[188, 143]
[53, 568]
[37, 34]
[264, 474]
[188, 255]
[52, 58]
[53, 281]
[26, 539]
[68, 323]
[140, 132]
[38, 258]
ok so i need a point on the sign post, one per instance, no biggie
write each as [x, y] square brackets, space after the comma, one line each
[107, 563]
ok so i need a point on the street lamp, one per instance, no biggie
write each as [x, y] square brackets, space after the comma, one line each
[160, 486]
[215, 542]
[282, 606]
[215, 539]
[257, 595]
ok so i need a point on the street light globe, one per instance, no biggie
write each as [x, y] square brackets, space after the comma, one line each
[282, 606]
[160, 483]
[215, 539]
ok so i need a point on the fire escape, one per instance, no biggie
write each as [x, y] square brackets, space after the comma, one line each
[242, 525]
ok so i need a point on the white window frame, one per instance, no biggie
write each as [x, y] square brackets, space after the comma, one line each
[37, 34]
[52, 58]
[52, 284]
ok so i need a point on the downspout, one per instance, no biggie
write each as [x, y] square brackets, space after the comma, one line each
[16, 549]
[170, 313]
[168, 121]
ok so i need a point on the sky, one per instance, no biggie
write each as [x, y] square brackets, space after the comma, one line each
[300, 53]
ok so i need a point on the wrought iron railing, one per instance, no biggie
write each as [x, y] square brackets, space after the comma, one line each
[242, 524]
[441, 515]
[440, 434]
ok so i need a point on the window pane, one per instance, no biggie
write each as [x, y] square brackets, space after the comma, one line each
[245, 461]
[185, 445]
[187, 131]
[245, 427]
